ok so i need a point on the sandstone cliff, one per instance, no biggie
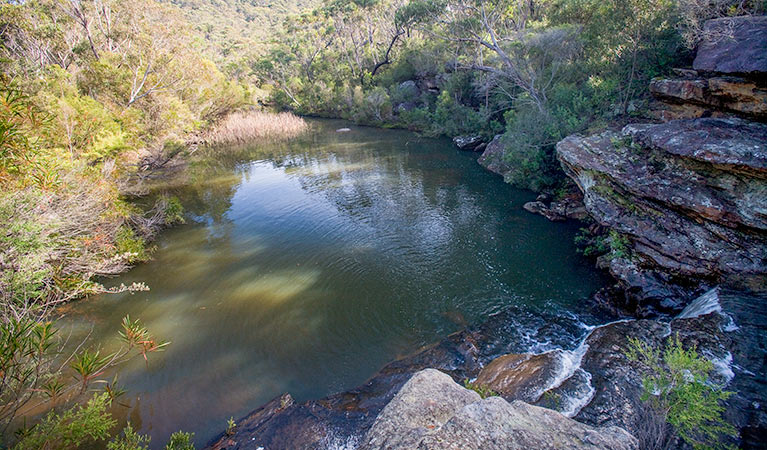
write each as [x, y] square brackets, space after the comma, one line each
[688, 196]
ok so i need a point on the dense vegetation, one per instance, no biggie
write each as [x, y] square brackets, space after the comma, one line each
[534, 70]
[95, 96]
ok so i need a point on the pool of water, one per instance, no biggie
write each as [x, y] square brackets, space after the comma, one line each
[306, 266]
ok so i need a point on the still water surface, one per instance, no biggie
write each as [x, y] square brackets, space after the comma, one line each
[306, 266]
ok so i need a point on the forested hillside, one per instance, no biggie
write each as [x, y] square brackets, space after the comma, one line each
[236, 29]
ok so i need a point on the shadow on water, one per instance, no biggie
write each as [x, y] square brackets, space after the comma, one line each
[306, 266]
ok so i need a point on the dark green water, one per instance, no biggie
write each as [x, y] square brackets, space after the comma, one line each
[305, 267]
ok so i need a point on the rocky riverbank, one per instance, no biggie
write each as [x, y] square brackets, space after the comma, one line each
[531, 358]
[688, 200]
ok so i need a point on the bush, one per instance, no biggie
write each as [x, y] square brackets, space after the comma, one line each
[483, 391]
[180, 441]
[129, 440]
[679, 388]
[130, 245]
[75, 427]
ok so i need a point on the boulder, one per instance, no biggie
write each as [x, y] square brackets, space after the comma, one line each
[725, 143]
[470, 143]
[570, 207]
[734, 45]
[433, 412]
[428, 400]
[492, 158]
[494, 424]
[404, 107]
[409, 90]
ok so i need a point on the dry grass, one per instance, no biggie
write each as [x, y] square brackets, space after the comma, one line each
[243, 127]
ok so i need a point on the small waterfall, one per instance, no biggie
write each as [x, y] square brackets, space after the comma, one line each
[705, 304]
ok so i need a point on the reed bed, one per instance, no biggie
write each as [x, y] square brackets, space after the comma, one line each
[247, 126]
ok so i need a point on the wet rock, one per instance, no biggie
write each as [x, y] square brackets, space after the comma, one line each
[734, 45]
[522, 376]
[617, 383]
[726, 327]
[470, 143]
[570, 207]
[428, 400]
[492, 158]
[570, 396]
[545, 211]
[646, 292]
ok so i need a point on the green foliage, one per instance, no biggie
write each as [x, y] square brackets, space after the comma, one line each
[75, 427]
[129, 440]
[23, 245]
[18, 120]
[174, 211]
[591, 246]
[483, 391]
[231, 426]
[620, 246]
[129, 244]
[180, 441]
[678, 385]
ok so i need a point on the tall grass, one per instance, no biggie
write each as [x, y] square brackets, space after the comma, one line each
[242, 127]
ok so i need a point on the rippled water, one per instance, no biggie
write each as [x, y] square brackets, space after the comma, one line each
[304, 267]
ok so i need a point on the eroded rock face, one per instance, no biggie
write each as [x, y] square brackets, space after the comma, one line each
[694, 96]
[691, 195]
[735, 45]
[432, 412]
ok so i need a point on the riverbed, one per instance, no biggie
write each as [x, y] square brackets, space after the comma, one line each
[305, 266]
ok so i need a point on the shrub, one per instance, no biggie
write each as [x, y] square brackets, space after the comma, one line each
[129, 440]
[130, 245]
[482, 390]
[679, 388]
[75, 427]
[180, 441]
